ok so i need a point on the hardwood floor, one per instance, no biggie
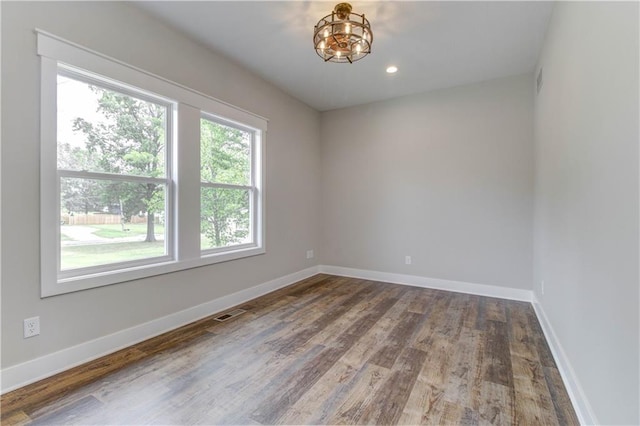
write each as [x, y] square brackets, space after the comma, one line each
[327, 350]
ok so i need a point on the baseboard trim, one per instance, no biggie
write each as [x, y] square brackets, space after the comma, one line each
[578, 398]
[31, 371]
[435, 283]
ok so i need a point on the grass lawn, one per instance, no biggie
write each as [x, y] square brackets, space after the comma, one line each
[102, 254]
[134, 229]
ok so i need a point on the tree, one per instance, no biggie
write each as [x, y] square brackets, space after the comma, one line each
[225, 158]
[78, 194]
[130, 140]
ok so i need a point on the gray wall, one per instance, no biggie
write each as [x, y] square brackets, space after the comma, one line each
[586, 202]
[445, 177]
[124, 32]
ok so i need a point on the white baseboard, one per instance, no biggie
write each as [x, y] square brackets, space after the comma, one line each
[574, 389]
[435, 283]
[578, 399]
[31, 371]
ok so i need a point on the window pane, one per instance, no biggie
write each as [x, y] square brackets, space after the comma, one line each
[103, 222]
[225, 154]
[100, 130]
[225, 215]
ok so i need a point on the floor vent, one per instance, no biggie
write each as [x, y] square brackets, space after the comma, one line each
[229, 315]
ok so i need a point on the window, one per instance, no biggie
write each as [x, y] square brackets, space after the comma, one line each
[113, 152]
[121, 195]
[227, 191]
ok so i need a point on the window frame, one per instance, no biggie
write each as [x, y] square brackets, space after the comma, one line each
[167, 181]
[183, 183]
[254, 195]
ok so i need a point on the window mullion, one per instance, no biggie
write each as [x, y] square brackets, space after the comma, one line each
[257, 180]
[187, 161]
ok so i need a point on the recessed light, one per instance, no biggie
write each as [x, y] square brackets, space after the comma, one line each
[392, 69]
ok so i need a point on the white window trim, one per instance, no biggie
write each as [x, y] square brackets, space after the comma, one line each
[166, 181]
[185, 164]
[253, 187]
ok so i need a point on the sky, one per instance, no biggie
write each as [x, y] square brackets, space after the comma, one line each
[75, 99]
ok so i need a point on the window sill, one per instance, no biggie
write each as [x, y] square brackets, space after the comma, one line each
[85, 282]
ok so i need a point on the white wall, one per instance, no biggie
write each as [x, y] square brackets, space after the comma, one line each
[445, 177]
[127, 34]
[586, 199]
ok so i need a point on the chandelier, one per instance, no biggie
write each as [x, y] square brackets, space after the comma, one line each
[343, 36]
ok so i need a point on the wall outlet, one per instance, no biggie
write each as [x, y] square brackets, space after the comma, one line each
[542, 287]
[31, 327]
[310, 254]
[407, 260]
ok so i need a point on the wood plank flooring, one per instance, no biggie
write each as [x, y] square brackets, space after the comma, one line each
[327, 350]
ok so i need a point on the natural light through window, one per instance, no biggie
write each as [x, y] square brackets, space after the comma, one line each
[140, 176]
[226, 185]
[112, 149]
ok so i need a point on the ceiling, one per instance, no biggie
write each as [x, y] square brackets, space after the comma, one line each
[434, 44]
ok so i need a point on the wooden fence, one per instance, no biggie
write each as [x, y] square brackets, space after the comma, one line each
[97, 219]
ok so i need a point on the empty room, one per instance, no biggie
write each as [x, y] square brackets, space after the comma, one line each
[312, 212]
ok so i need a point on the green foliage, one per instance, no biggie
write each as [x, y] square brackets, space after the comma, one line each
[115, 231]
[78, 195]
[225, 158]
[129, 140]
[224, 216]
[81, 256]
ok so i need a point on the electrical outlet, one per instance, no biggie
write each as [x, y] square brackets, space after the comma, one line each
[310, 254]
[31, 327]
[407, 260]
[542, 287]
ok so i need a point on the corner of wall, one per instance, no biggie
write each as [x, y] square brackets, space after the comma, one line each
[574, 389]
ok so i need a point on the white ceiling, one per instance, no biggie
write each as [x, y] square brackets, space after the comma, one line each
[434, 44]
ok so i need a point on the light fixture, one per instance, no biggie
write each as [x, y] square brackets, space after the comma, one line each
[392, 69]
[343, 36]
